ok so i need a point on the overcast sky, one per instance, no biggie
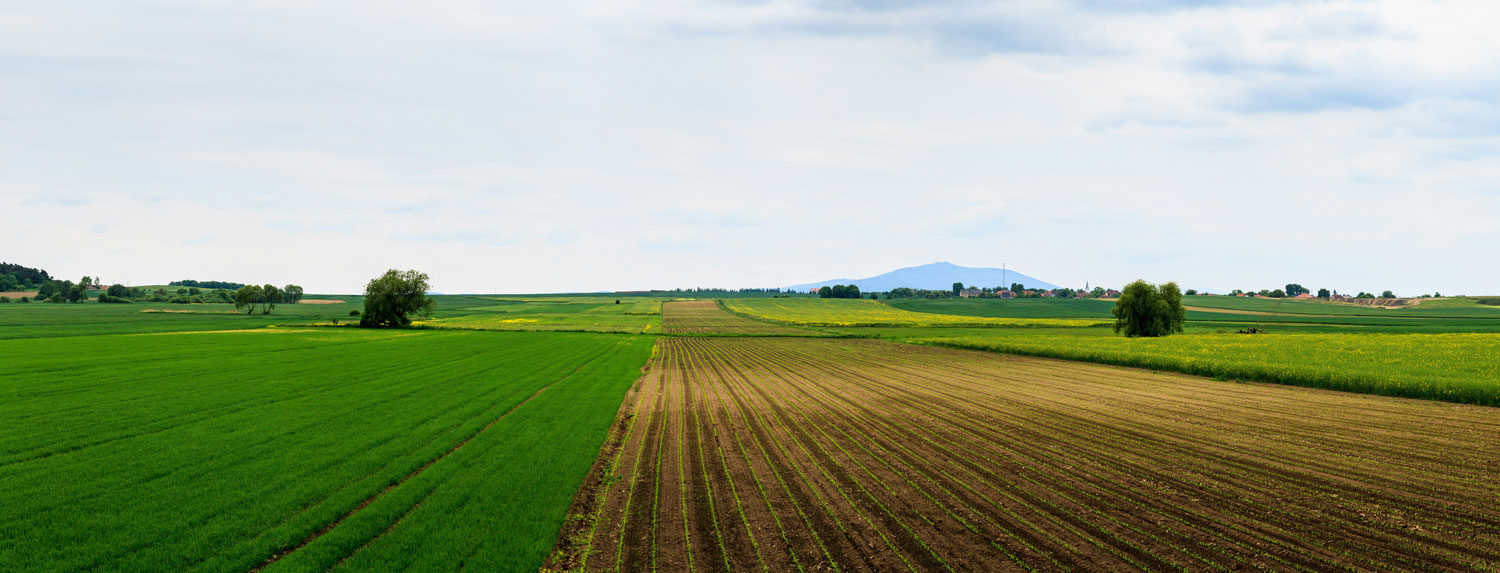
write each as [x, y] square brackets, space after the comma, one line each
[562, 146]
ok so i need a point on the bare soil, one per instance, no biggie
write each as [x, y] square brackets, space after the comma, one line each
[320, 301]
[16, 294]
[705, 317]
[860, 455]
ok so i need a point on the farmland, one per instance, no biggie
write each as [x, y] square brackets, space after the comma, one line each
[1454, 367]
[705, 317]
[299, 448]
[574, 314]
[816, 454]
[865, 313]
[783, 435]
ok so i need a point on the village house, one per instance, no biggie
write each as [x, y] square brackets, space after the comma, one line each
[970, 292]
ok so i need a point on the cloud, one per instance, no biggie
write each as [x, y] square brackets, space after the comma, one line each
[661, 143]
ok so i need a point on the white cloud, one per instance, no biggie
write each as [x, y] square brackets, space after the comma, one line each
[582, 146]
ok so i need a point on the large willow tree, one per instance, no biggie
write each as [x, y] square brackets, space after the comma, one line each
[1145, 309]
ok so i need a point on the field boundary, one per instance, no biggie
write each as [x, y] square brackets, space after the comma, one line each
[372, 499]
[575, 539]
[1246, 373]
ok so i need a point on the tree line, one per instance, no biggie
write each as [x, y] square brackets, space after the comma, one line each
[266, 297]
[15, 277]
[1294, 290]
[206, 284]
[839, 291]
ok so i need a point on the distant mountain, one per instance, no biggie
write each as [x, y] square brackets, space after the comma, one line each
[936, 276]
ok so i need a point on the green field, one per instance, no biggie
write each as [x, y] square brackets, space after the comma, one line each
[829, 312]
[216, 451]
[1451, 367]
[572, 314]
[1448, 315]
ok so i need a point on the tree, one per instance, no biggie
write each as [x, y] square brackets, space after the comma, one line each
[1387, 294]
[1098, 292]
[1295, 289]
[1017, 288]
[293, 294]
[269, 297]
[1324, 294]
[392, 298]
[957, 288]
[1144, 309]
[1278, 293]
[825, 291]
[247, 296]
[118, 291]
[1191, 292]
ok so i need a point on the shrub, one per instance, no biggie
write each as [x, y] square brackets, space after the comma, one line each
[1144, 309]
[4, 299]
[24, 299]
[354, 312]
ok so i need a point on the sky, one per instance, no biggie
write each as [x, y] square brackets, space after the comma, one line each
[583, 146]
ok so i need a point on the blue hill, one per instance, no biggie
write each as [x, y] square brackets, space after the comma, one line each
[935, 276]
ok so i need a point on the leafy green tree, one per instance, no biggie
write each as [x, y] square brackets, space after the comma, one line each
[293, 294]
[1191, 292]
[1295, 289]
[392, 298]
[1387, 294]
[1278, 293]
[1324, 294]
[118, 291]
[247, 297]
[957, 288]
[825, 292]
[270, 296]
[1144, 309]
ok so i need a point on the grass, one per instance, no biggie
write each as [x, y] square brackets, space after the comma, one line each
[217, 450]
[1452, 367]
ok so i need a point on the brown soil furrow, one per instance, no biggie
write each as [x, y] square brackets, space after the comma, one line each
[824, 454]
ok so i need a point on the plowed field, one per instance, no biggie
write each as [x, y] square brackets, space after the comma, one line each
[859, 455]
[705, 317]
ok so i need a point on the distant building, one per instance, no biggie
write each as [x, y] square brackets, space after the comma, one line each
[1007, 294]
[970, 292]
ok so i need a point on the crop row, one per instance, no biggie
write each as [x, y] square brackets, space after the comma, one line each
[1452, 367]
[706, 317]
[796, 454]
[225, 451]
